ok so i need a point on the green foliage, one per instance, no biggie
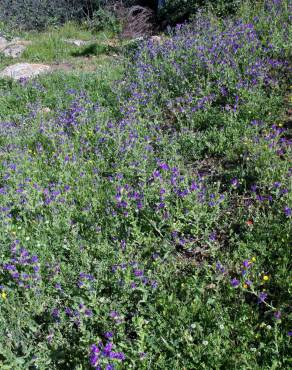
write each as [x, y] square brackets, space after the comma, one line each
[146, 216]
[104, 20]
[175, 11]
[40, 14]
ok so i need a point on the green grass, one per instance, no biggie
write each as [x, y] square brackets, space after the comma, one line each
[50, 46]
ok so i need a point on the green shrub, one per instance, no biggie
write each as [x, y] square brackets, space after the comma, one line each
[179, 10]
[39, 14]
[103, 20]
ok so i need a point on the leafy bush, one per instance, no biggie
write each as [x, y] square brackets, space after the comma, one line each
[173, 11]
[103, 19]
[39, 14]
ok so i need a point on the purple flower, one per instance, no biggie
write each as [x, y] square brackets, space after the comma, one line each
[248, 282]
[34, 259]
[235, 183]
[234, 282]
[154, 284]
[114, 314]
[138, 273]
[69, 311]
[55, 313]
[277, 184]
[107, 349]
[123, 245]
[246, 264]
[262, 297]
[212, 236]
[93, 359]
[288, 211]
[194, 186]
[108, 335]
[88, 312]
[277, 315]
[118, 356]
[220, 268]
[94, 348]
[164, 166]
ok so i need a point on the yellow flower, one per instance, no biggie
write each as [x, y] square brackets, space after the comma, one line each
[265, 278]
[4, 295]
[253, 259]
[245, 286]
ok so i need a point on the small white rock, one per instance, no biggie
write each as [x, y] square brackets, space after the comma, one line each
[76, 42]
[157, 39]
[46, 110]
[3, 42]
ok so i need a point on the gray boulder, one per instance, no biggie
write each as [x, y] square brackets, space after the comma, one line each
[14, 51]
[24, 70]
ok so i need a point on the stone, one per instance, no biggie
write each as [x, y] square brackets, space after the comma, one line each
[15, 40]
[14, 48]
[76, 42]
[14, 51]
[156, 39]
[3, 42]
[24, 70]
[18, 41]
[45, 110]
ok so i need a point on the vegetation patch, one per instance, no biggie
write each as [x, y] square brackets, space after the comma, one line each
[146, 208]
